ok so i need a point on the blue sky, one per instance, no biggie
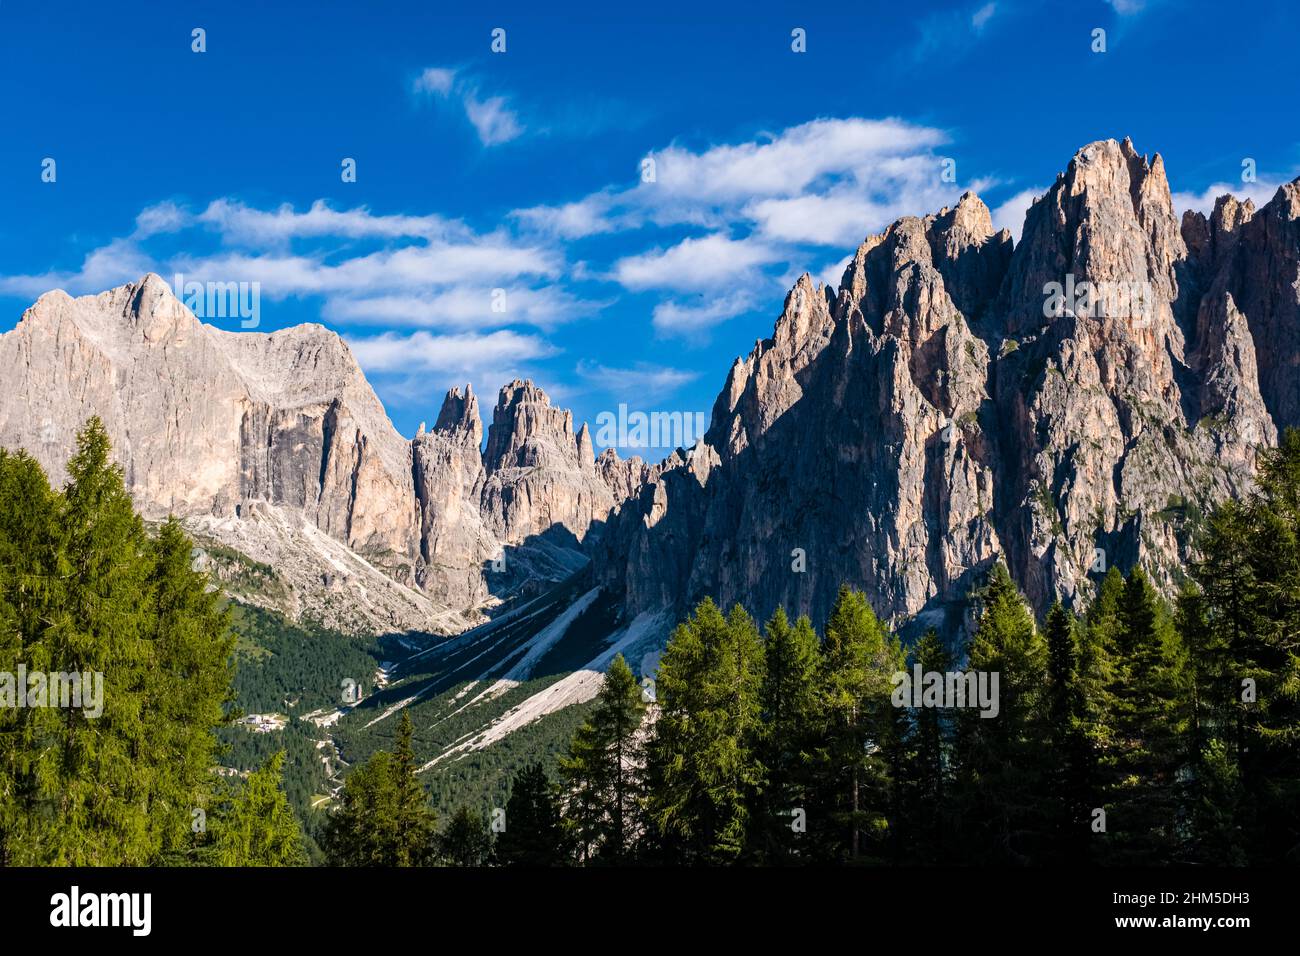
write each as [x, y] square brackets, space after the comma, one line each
[522, 171]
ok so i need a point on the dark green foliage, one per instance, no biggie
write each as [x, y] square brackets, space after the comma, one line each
[702, 768]
[85, 590]
[383, 818]
[534, 832]
[923, 808]
[1002, 760]
[787, 745]
[1241, 628]
[466, 840]
[1145, 748]
[1071, 763]
[258, 827]
[848, 818]
[603, 769]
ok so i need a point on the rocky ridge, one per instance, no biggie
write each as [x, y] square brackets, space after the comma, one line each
[1063, 403]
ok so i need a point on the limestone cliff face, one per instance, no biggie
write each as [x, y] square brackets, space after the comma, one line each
[1069, 403]
[541, 477]
[847, 447]
[276, 445]
[1127, 413]
[454, 544]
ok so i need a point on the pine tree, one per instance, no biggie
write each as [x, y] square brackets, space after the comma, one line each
[923, 810]
[859, 659]
[466, 840]
[1146, 753]
[114, 781]
[1071, 769]
[360, 831]
[414, 823]
[1002, 760]
[791, 721]
[534, 834]
[383, 817]
[188, 684]
[1243, 637]
[603, 769]
[702, 769]
[258, 827]
[31, 576]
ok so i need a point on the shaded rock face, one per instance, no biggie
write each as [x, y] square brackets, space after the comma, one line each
[844, 448]
[1064, 405]
[957, 401]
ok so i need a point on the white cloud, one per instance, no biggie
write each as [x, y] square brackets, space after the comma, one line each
[982, 16]
[164, 217]
[410, 267]
[832, 274]
[437, 80]
[239, 223]
[1127, 8]
[643, 381]
[112, 265]
[693, 321]
[693, 263]
[464, 306]
[575, 220]
[1010, 215]
[857, 159]
[491, 116]
[495, 122]
[464, 353]
[1259, 192]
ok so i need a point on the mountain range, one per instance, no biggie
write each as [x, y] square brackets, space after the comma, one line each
[1073, 400]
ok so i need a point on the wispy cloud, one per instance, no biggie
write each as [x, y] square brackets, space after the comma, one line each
[694, 264]
[951, 32]
[462, 353]
[1258, 192]
[643, 381]
[490, 115]
[693, 320]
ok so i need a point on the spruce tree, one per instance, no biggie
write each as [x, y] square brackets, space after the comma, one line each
[466, 840]
[414, 823]
[603, 769]
[923, 810]
[703, 770]
[90, 594]
[1146, 751]
[859, 659]
[1070, 778]
[789, 737]
[534, 834]
[1244, 644]
[258, 827]
[361, 829]
[1003, 760]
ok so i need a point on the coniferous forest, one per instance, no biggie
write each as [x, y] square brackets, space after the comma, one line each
[1128, 731]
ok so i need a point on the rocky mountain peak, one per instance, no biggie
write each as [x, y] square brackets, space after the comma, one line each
[528, 431]
[459, 416]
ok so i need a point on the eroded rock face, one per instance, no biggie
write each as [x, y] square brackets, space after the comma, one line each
[455, 547]
[1118, 421]
[541, 478]
[245, 434]
[1065, 404]
[940, 410]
